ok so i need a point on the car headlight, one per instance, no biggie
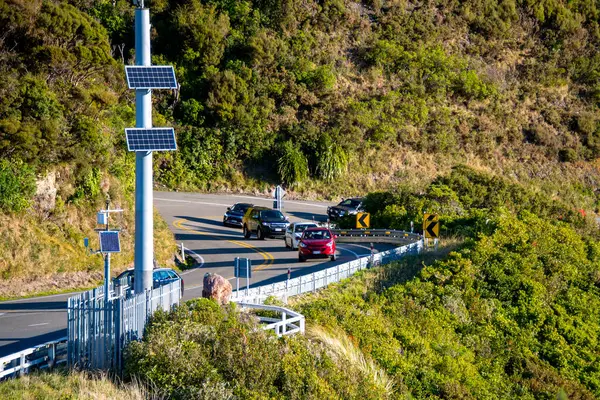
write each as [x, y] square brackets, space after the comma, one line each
[265, 224]
[301, 244]
[329, 244]
[342, 212]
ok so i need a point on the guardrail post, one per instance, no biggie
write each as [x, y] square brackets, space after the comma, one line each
[22, 370]
[314, 283]
[284, 325]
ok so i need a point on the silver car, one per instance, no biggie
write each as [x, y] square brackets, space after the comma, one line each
[294, 232]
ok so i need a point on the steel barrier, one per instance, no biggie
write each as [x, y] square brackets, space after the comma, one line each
[319, 279]
[43, 356]
[289, 322]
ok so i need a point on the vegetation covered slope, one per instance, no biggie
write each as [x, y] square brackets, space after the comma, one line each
[365, 94]
[513, 313]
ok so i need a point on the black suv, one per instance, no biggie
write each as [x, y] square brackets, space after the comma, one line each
[346, 207]
[264, 222]
[235, 214]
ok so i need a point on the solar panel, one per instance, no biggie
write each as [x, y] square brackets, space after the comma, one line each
[150, 77]
[150, 139]
[109, 242]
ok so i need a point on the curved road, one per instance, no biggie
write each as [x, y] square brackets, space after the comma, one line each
[196, 220]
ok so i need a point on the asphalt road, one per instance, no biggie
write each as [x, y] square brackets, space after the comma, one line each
[196, 220]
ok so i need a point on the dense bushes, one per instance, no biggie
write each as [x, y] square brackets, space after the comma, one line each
[466, 201]
[201, 350]
[513, 314]
[17, 186]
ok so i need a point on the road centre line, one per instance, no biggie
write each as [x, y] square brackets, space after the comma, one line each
[268, 257]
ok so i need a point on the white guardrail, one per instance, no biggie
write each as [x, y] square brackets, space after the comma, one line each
[42, 356]
[319, 279]
[288, 323]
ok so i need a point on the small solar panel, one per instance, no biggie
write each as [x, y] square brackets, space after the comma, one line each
[150, 139]
[109, 242]
[150, 77]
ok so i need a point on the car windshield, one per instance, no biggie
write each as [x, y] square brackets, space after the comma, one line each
[317, 235]
[240, 207]
[350, 203]
[272, 215]
[302, 228]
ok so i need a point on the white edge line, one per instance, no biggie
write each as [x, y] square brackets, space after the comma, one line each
[193, 202]
[197, 255]
[44, 323]
[284, 201]
[38, 298]
[349, 251]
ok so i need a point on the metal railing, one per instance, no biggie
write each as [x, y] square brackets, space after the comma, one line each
[319, 279]
[42, 356]
[288, 323]
[99, 330]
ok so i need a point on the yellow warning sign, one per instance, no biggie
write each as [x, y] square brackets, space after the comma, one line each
[363, 220]
[431, 226]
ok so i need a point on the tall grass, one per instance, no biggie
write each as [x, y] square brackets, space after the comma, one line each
[342, 348]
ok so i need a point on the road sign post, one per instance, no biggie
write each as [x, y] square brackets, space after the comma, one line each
[242, 269]
[363, 220]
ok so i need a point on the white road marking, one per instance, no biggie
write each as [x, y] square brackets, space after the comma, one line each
[44, 323]
[197, 255]
[1, 314]
[41, 297]
[194, 202]
[349, 251]
[284, 201]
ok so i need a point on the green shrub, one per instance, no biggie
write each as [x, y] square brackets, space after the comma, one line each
[17, 185]
[202, 349]
[292, 165]
[332, 160]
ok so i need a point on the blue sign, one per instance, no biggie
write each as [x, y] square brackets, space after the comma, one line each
[242, 268]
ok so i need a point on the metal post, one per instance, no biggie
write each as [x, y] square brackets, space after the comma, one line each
[237, 276]
[144, 242]
[183, 253]
[247, 276]
[412, 226]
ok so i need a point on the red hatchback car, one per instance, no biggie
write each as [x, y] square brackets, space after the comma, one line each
[317, 243]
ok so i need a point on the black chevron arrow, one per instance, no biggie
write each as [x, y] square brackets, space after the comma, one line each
[362, 221]
[430, 229]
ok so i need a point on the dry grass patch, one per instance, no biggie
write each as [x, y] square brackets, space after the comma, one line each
[76, 385]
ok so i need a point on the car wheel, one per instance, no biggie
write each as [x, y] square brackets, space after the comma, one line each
[333, 257]
[260, 235]
[246, 232]
[301, 259]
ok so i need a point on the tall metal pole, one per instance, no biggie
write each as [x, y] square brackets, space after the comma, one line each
[144, 218]
[106, 260]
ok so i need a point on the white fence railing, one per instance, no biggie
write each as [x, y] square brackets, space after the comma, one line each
[287, 323]
[42, 356]
[319, 279]
[99, 330]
